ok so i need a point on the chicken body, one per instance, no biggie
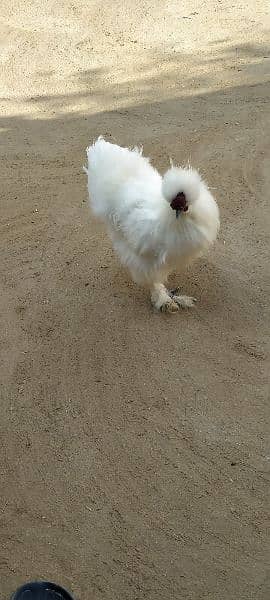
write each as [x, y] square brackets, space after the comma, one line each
[134, 201]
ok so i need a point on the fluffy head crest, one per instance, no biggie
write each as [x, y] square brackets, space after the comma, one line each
[186, 181]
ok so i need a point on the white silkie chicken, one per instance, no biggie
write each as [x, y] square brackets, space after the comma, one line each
[156, 223]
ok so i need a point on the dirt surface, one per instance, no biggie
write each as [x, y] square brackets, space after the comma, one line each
[135, 447]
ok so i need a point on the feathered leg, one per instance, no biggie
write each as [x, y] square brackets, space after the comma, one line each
[161, 298]
[166, 301]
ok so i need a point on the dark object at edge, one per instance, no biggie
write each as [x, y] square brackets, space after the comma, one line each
[41, 590]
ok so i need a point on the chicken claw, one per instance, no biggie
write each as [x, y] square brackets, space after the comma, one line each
[169, 307]
[184, 301]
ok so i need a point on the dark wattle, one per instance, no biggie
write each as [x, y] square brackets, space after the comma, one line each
[179, 202]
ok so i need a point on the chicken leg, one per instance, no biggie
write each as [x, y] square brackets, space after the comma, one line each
[166, 301]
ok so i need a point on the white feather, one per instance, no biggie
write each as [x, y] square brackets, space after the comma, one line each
[132, 198]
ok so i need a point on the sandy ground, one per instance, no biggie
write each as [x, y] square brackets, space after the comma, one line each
[135, 447]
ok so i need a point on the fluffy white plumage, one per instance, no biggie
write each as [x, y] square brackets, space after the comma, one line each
[132, 198]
